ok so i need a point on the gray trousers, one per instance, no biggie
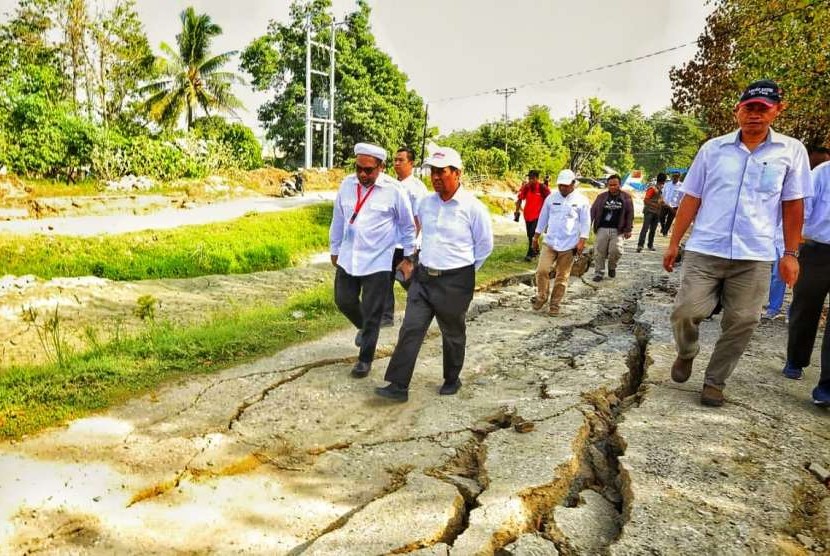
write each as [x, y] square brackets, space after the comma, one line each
[742, 287]
[608, 244]
[447, 298]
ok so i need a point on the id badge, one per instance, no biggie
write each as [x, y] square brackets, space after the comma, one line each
[349, 236]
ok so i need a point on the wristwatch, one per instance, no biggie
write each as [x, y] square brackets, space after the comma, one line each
[410, 258]
[791, 253]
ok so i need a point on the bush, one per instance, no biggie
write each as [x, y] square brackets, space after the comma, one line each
[242, 147]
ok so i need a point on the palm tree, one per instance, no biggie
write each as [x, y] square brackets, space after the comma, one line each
[191, 77]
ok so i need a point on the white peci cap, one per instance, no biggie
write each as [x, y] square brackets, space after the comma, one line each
[371, 150]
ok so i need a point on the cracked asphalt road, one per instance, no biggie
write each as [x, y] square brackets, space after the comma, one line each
[289, 455]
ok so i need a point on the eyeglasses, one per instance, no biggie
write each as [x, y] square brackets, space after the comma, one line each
[365, 169]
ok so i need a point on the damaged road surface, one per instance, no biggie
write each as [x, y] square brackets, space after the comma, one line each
[567, 437]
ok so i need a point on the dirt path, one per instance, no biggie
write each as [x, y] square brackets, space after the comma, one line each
[567, 435]
[167, 218]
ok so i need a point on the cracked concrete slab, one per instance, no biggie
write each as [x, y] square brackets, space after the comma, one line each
[290, 455]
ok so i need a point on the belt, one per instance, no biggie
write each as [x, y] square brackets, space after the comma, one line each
[434, 272]
[816, 244]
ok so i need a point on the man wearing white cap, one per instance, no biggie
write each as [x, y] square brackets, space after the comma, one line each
[565, 221]
[371, 214]
[456, 238]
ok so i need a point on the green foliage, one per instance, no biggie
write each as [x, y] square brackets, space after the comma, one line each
[190, 76]
[746, 40]
[145, 307]
[250, 244]
[243, 147]
[588, 143]
[372, 100]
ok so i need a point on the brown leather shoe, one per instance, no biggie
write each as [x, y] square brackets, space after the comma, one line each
[553, 310]
[711, 396]
[538, 303]
[681, 369]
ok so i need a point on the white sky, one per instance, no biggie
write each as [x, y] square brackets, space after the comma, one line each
[458, 47]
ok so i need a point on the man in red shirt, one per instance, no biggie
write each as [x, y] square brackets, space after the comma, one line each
[533, 193]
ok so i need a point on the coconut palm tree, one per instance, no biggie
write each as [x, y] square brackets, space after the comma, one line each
[191, 76]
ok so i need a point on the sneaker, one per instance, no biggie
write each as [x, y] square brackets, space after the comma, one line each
[612, 272]
[449, 388]
[821, 395]
[538, 303]
[358, 339]
[790, 371]
[681, 369]
[393, 392]
[598, 277]
[361, 369]
[386, 322]
[711, 396]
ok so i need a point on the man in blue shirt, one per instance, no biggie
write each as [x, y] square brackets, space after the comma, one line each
[738, 190]
[456, 237]
[812, 288]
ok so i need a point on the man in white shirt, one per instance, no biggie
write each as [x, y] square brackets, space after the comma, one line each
[457, 237]
[671, 197]
[415, 191]
[565, 221]
[738, 190]
[810, 292]
[371, 214]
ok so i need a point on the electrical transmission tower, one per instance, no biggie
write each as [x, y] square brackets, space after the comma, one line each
[310, 118]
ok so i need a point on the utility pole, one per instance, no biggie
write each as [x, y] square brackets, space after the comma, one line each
[310, 119]
[506, 92]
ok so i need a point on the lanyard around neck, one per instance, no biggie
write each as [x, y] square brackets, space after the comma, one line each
[361, 200]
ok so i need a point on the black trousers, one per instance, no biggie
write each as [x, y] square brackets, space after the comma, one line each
[666, 219]
[530, 228]
[650, 220]
[809, 296]
[361, 299]
[389, 305]
[447, 298]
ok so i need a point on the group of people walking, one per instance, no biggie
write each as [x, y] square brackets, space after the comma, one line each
[384, 228]
[742, 191]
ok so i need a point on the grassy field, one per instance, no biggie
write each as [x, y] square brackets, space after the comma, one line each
[114, 369]
[249, 244]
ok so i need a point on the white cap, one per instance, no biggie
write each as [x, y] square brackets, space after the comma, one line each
[565, 177]
[443, 157]
[371, 150]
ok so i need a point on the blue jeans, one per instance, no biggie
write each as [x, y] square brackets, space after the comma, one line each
[777, 288]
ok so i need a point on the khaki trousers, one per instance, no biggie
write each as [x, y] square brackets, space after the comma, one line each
[549, 259]
[607, 245]
[742, 286]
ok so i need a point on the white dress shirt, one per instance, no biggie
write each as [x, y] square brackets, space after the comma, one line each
[672, 193]
[415, 191]
[566, 219]
[817, 208]
[455, 233]
[741, 194]
[366, 245]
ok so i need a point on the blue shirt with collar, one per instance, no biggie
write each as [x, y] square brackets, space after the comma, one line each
[817, 208]
[741, 194]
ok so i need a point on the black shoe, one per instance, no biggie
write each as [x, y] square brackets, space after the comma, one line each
[612, 272]
[652, 249]
[449, 388]
[394, 392]
[361, 369]
[598, 277]
[528, 258]
[639, 249]
[358, 339]
[387, 322]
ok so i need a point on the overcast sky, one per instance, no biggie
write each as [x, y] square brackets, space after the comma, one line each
[459, 47]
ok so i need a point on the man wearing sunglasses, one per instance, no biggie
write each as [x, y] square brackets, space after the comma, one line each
[371, 214]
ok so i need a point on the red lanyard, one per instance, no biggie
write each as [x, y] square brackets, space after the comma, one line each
[361, 200]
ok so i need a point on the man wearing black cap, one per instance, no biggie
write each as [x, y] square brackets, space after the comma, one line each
[738, 190]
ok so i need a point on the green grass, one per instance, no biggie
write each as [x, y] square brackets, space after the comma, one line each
[249, 244]
[108, 372]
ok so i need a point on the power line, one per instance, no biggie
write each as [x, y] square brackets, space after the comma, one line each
[573, 74]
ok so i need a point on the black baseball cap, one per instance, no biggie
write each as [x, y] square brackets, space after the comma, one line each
[764, 91]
